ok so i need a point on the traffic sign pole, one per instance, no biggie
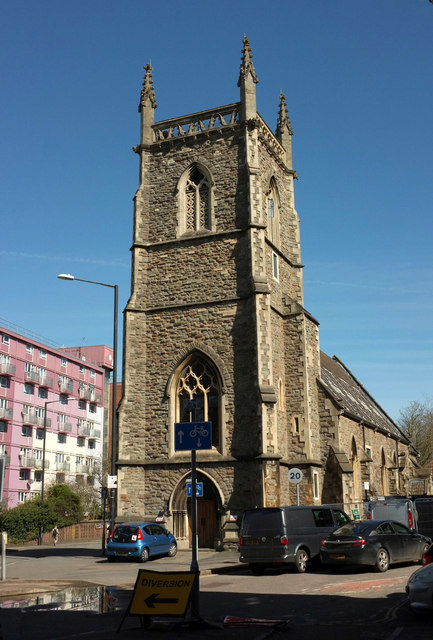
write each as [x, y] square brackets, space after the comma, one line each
[194, 560]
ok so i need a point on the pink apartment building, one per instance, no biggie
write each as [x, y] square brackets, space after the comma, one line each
[52, 408]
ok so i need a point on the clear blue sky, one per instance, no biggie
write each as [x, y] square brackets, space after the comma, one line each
[358, 78]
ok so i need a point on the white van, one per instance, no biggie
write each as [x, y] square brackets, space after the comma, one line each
[399, 509]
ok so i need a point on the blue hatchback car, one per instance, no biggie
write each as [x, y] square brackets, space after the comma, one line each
[140, 540]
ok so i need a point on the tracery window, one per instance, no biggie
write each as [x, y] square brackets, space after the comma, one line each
[198, 395]
[197, 201]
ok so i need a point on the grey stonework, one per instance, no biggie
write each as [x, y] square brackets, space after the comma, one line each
[213, 293]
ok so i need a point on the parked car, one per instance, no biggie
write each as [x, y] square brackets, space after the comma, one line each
[139, 541]
[286, 535]
[427, 557]
[375, 543]
[419, 588]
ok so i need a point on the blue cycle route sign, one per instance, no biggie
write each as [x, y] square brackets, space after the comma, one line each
[192, 435]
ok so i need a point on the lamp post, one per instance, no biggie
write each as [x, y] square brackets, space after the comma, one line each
[44, 446]
[114, 438]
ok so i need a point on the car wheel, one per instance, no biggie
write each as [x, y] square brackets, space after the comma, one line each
[172, 550]
[257, 569]
[382, 561]
[302, 561]
[144, 555]
[111, 558]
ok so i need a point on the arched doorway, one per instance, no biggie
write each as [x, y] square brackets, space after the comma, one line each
[208, 512]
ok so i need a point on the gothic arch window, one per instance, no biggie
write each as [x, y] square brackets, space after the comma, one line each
[383, 474]
[354, 461]
[195, 191]
[198, 395]
[272, 211]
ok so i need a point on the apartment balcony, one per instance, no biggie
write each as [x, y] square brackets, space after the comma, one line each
[7, 369]
[6, 458]
[66, 387]
[81, 468]
[6, 414]
[88, 394]
[34, 376]
[38, 464]
[27, 461]
[63, 466]
[84, 430]
[64, 426]
[30, 418]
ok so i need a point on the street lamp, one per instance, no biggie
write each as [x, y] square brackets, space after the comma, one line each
[44, 445]
[114, 437]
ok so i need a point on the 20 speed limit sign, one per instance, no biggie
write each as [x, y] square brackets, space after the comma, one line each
[295, 475]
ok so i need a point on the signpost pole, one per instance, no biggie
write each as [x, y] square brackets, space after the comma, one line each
[194, 561]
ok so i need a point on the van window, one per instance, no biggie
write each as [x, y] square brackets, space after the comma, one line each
[323, 517]
[340, 517]
[263, 520]
[298, 518]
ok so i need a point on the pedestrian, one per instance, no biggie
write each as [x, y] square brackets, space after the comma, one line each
[55, 534]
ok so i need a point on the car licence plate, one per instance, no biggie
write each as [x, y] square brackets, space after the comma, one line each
[122, 553]
[337, 556]
[252, 541]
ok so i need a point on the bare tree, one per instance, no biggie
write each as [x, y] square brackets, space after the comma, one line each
[416, 421]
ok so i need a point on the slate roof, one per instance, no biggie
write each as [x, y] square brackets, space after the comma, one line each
[353, 398]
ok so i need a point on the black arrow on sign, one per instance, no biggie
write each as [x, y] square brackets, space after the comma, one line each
[153, 599]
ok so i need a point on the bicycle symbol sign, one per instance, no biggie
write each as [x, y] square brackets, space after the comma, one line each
[193, 435]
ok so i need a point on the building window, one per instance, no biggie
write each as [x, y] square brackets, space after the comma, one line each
[92, 373]
[38, 476]
[24, 474]
[26, 431]
[37, 454]
[61, 438]
[275, 266]
[29, 349]
[316, 494]
[39, 434]
[82, 370]
[82, 404]
[63, 363]
[29, 389]
[368, 452]
[63, 399]
[92, 408]
[273, 222]
[198, 395]
[4, 382]
[5, 338]
[42, 392]
[91, 444]
[42, 354]
[22, 497]
[3, 426]
[196, 192]
[61, 418]
[81, 442]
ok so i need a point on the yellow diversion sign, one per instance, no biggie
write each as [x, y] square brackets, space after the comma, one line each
[161, 594]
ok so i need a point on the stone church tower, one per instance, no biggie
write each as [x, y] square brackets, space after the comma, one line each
[216, 317]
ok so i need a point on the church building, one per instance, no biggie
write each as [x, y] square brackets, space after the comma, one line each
[215, 330]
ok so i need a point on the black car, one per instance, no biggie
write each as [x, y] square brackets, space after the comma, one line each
[375, 543]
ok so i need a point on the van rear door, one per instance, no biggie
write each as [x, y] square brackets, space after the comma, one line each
[261, 533]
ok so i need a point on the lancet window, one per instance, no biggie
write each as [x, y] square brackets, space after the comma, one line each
[197, 201]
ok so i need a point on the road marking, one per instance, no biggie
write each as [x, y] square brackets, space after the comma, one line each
[364, 585]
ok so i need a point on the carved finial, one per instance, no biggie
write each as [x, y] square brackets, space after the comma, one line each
[247, 63]
[147, 91]
[283, 118]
